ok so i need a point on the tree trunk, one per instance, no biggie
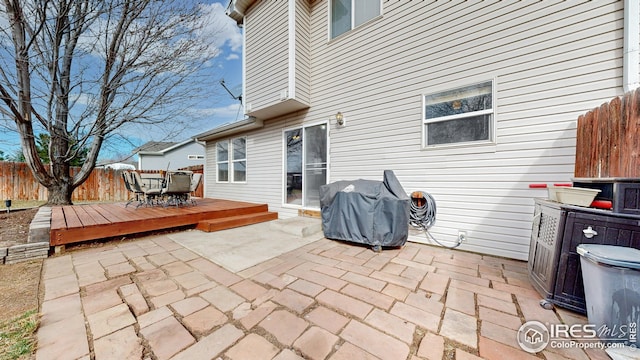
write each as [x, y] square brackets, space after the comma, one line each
[60, 193]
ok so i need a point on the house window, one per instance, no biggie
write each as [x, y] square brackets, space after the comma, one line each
[239, 161]
[349, 14]
[222, 161]
[462, 115]
[231, 163]
[195, 157]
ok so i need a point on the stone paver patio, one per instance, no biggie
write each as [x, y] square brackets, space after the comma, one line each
[151, 298]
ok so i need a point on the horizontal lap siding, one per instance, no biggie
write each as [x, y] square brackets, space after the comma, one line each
[303, 53]
[552, 61]
[266, 53]
[264, 168]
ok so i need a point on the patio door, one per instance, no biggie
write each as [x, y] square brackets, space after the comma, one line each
[306, 157]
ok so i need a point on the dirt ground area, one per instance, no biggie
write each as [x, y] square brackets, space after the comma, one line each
[19, 282]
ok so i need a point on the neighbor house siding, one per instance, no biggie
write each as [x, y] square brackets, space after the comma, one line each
[550, 61]
[173, 159]
[266, 53]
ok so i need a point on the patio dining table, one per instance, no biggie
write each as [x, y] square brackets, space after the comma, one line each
[177, 188]
[162, 188]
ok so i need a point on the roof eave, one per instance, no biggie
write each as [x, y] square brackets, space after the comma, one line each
[237, 8]
[230, 129]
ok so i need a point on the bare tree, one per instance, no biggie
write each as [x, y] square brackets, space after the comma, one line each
[83, 70]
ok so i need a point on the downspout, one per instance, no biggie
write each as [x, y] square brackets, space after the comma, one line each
[630, 66]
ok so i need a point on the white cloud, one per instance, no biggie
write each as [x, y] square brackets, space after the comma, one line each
[220, 27]
[233, 57]
[227, 113]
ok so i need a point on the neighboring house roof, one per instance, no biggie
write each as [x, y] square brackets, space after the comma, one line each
[153, 147]
[159, 148]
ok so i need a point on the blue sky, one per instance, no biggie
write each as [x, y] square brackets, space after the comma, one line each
[217, 108]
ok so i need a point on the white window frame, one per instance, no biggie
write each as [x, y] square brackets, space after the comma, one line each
[353, 19]
[492, 124]
[230, 161]
[303, 127]
[233, 161]
[218, 162]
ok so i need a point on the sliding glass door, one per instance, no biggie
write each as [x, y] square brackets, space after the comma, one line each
[306, 157]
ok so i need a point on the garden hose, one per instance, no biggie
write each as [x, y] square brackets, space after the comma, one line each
[422, 215]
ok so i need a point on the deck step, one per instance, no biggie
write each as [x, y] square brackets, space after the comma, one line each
[235, 221]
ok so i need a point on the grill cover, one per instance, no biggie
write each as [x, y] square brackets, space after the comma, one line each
[366, 211]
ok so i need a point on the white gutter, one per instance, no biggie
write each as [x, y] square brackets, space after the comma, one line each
[630, 59]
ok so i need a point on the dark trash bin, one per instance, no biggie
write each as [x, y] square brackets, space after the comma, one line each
[369, 212]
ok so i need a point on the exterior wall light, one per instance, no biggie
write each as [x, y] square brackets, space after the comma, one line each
[339, 119]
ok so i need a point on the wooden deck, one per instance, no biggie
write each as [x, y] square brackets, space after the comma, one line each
[77, 223]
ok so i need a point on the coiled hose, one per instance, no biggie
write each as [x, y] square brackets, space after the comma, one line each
[422, 215]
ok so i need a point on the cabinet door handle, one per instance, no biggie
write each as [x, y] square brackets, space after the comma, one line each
[589, 232]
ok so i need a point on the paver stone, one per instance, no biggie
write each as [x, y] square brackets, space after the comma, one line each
[285, 326]
[167, 337]
[122, 344]
[74, 332]
[212, 345]
[253, 347]
[316, 343]
[204, 320]
[376, 342]
[109, 320]
[460, 327]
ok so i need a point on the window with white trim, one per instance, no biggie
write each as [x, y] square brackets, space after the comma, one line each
[349, 14]
[222, 161]
[457, 116]
[231, 160]
[239, 159]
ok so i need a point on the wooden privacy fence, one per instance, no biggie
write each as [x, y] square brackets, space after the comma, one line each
[17, 183]
[608, 139]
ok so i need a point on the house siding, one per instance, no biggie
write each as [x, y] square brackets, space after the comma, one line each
[302, 40]
[264, 168]
[550, 61]
[266, 53]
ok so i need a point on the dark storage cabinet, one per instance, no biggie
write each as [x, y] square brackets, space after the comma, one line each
[544, 249]
[554, 264]
[624, 193]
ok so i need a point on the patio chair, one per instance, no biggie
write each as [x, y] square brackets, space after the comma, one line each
[126, 177]
[150, 195]
[195, 181]
[177, 188]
